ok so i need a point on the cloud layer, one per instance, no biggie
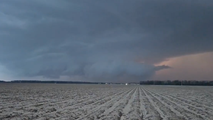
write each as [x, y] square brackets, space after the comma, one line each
[101, 40]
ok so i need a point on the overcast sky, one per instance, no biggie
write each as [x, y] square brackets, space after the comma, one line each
[106, 40]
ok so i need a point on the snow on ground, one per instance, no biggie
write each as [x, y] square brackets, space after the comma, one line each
[104, 102]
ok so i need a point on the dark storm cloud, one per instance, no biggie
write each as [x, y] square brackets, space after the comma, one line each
[101, 39]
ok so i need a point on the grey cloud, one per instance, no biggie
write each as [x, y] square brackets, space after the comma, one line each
[120, 71]
[101, 39]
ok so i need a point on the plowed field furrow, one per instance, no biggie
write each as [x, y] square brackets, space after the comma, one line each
[168, 110]
[194, 104]
[143, 106]
[153, 112]
[93, 113]
[104, 102]
[129, 109]
[177, 109]
[64, 103]
[182, 109]
[195, 110]
[83, 108]
[198, 111]
[116, 106]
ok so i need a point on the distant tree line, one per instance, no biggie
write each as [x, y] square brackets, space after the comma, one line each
[177, 82]
[56, 82]
[1, 81]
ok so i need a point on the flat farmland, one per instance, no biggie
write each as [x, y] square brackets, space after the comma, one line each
[104, 102]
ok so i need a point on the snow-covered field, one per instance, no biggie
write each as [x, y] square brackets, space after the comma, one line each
[105, 102]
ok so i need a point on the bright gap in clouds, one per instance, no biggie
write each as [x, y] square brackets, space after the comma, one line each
[188, 67]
